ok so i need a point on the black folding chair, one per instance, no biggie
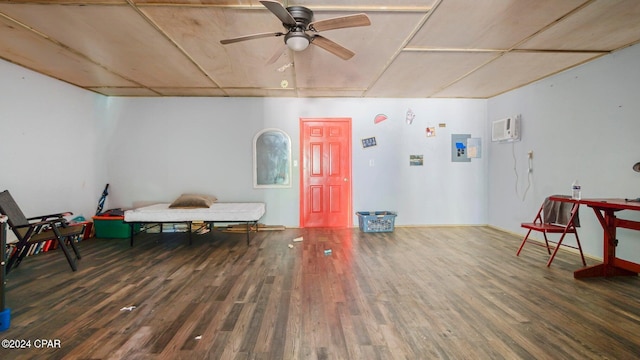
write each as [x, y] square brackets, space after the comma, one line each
[38, 229]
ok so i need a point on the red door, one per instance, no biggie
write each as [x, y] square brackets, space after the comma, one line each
[325, 181]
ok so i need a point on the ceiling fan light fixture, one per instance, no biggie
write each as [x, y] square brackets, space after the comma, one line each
[297, 40]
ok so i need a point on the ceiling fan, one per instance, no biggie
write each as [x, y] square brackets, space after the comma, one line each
[302, 31]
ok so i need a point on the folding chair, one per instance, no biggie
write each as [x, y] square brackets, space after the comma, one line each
[555, 217]
[39, 229]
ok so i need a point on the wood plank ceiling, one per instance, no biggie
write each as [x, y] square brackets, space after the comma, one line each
[413, 48]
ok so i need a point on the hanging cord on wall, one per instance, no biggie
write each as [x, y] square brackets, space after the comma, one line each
[515, 167]
[529, 171]
[515, 171]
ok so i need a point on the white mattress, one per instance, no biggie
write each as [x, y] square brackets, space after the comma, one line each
[224, 212]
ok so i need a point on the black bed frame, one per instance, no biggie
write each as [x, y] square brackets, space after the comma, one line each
[210, 224]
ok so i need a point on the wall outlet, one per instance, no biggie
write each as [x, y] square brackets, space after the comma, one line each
[530, 154]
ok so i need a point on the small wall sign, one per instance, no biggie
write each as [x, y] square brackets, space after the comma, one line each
[368, 142]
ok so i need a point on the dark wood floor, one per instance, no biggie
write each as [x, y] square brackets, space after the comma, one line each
[416, 293]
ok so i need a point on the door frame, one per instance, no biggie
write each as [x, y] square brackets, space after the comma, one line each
[303, 199]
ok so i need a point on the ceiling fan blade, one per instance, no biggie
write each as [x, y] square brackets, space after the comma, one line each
[278, 10]
[250, 37]
[340, 22]
[277, 54]
[333, 47]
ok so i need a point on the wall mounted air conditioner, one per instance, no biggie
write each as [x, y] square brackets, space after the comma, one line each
[506, 129]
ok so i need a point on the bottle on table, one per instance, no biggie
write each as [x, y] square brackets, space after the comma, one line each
[576, 191]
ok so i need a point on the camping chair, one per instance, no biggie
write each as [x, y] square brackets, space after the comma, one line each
[38, 229]
[555, 217]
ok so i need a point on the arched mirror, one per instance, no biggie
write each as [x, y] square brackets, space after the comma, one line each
[271, 159]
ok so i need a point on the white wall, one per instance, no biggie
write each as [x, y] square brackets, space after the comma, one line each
[49, 143]
[581, 124]
[160, 148]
